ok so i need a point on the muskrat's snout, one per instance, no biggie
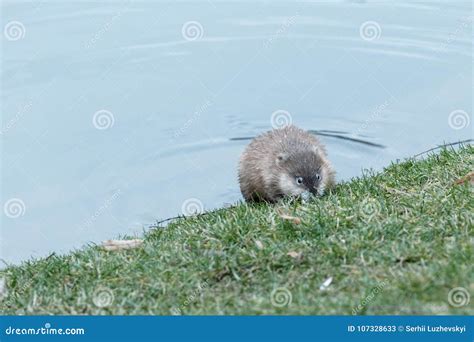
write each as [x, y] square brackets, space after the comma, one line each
[314, 190]
[313, 183]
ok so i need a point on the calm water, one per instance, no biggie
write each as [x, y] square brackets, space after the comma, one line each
[117, 114]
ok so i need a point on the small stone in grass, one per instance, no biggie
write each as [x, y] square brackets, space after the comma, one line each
[259, 244]
[324, 286]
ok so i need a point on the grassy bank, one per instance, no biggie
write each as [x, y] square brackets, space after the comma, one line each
[396, 242]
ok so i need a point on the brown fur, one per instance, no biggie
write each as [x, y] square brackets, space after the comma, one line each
[271, 163]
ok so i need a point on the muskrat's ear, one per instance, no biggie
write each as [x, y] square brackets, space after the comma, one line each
[281, 157]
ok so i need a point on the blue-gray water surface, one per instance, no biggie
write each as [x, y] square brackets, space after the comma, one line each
[116, 114]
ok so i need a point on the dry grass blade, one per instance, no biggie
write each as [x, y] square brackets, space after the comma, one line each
[115, 245]
[467, 178]
[284, 216]
[295, 255]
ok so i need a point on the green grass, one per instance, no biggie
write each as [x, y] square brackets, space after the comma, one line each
[394, 243]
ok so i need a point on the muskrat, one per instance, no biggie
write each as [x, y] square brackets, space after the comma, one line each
[284, 162]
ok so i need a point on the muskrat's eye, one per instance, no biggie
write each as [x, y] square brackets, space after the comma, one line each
[299, 180]
[318, 176]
